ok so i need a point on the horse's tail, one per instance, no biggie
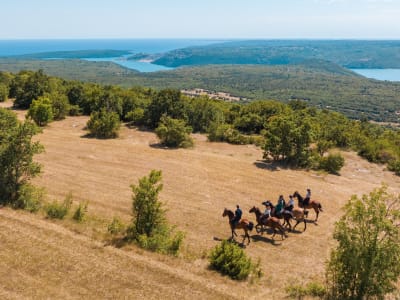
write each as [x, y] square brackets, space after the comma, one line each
[250, 226]
[320, 207]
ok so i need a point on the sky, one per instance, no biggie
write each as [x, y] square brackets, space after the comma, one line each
[228, 19]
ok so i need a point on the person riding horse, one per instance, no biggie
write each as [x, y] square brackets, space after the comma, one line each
[307, 198]
[267, 212]
[238, 216]
[290, 205]
[280, 205]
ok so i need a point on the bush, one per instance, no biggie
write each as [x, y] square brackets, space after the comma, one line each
[80, 212]
[60, 106]
[136, 116]
[56, 210]
[30, 198]
[162, 241]
[312, 289]
[3, 92]
[332, 163]
[104, 124]
[116, 226]
[229, 259]
[394, 166]
[174, 133]
[41, 111]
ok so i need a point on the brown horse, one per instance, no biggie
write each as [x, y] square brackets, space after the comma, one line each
[311, 204]
[270, 222]
[244, 224]
[297, 214]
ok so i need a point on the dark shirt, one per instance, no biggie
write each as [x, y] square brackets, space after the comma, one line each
[238, 214]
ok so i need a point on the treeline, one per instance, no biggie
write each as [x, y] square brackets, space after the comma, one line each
[319, 83]
[293, 134]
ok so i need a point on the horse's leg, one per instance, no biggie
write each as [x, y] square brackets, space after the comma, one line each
[288, 221]
[246, 234]
[297, 222]
[305, 225]
[316, 209]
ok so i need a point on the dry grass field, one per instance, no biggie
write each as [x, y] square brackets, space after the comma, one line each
[62, 260]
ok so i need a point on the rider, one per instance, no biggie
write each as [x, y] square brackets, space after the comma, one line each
[290, 205]
[238, 216]
[267, 212]
[307, 197]
[279, 207]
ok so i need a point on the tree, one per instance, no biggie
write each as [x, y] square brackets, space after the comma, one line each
[166, 102]
[288, 139]
[174, 133]
[3, 92]
[365, 263]
[30, 87]
[104, 124]
[41, 111]
[146, 209]
[149, 226]
[16, 155]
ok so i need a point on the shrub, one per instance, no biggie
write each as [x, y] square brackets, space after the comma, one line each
[394, 166]
[332, 163]
[80, 212]
[104, 124]
[3, 92]
[174, 133]
[136, 116]
[312, 289]
[162, 241]
[30, 198]
[229, 259]
[116, 226]
[56, 210]
[41, 111]
[60, 106]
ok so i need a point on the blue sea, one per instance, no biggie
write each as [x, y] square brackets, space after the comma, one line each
[380, 74]
[150, 46]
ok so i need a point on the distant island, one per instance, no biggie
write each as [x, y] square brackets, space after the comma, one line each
[351, 54]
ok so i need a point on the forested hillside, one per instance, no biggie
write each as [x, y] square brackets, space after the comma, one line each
[319, 83]
[347, 53]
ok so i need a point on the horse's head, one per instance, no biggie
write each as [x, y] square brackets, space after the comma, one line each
[296, 194]
[225, 212]
[252, 210]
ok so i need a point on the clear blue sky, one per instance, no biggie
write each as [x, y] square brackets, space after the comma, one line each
[373, 19]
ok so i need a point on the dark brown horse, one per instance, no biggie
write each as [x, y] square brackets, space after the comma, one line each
[297, 214]
[311, 204]
[244, 224]
[272, 222]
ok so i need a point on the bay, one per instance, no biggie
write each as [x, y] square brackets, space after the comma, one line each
[9, 48]
[380, 74]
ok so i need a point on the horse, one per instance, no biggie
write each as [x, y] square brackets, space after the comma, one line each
[311, 204]
[270, 222]
[244, 224]
[297, 214]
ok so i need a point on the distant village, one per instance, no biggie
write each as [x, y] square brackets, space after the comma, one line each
[213, 95]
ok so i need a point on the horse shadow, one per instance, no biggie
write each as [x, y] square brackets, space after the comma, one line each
[260, 238]
[312, 222]
[233, 241]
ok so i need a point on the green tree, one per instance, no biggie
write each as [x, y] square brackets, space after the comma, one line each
[146, 209]
[174, 133]
[166, 102]
[3, 92]
[149, 227]
[16, 155]
[365, 263]
[31, 87]
[104, 124]
[41, 111]
[288, 139]
[60, 105]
